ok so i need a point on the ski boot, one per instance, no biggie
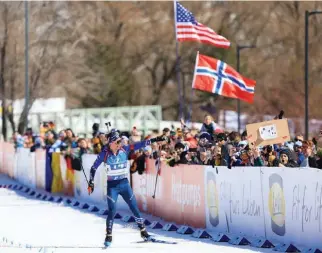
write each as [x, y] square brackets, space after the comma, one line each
[145, 235]
[108, 239]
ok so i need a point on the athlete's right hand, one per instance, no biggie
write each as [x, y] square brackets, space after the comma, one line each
[90, 187]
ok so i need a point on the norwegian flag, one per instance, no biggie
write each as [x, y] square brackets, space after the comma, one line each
[189, 29]
[215, 76]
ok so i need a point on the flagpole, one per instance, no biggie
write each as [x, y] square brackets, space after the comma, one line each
[192, 90]
[190, 110]
[178, 63]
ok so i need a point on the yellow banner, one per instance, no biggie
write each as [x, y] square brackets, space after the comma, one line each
[57, 183]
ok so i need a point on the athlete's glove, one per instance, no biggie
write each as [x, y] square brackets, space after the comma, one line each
[90, 187]
[159, 139]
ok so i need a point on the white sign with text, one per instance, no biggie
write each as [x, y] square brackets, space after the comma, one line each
[293, 205]
[236, 201]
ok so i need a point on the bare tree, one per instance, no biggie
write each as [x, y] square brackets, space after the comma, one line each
[46, 53]
[3, 51]
[10, 15]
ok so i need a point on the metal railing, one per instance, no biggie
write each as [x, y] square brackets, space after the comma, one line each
[146, 118]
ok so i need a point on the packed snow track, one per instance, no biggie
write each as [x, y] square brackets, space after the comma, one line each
[31, 225]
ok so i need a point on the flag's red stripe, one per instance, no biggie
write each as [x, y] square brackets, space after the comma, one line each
[210, 36]
[198, 28]
[192, 31]
[233, 91]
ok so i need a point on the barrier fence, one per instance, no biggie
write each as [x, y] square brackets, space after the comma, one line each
[281, 204]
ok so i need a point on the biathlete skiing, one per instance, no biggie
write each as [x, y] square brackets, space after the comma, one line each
[115, 156]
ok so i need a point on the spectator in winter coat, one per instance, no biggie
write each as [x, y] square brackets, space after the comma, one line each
[298, 151]
[18, 140]
[217, 159]
[241, 145]
[70, 139]
[166, 132]
[244, 136]
[136, 135]
[221, 140]
[50, 140]
[268, 155]
[247, 158]
[29, 138]
[319, 158]
[208, 125]
[309, 160]
[286, 159]
[125, 140]
[233, 138]
[205, 157]
[140, 160]
[95, 129]
[189, 139]
[98, 142]
[180, 153]
[83, 148]
[60, 144]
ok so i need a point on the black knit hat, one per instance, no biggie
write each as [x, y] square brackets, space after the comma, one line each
[287, 152]
[221, 137]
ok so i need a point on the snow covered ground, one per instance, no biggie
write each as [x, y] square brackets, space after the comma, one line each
[56, 227]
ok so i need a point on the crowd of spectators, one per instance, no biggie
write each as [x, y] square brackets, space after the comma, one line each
[209, 145]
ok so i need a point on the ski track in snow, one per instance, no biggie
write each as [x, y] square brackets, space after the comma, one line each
[55, 227]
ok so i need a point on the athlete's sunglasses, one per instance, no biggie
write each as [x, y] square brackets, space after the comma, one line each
[118, 142]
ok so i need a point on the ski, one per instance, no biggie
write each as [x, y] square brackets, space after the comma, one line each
[154, 240]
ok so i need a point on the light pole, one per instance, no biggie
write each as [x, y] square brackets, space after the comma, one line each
[238, 49]
[306, 70]
[26, 61]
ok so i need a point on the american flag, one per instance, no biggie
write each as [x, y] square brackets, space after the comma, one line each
[188, 28]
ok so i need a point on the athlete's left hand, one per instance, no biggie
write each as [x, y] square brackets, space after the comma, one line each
[162, 138]
[90, 187]
[159, 139]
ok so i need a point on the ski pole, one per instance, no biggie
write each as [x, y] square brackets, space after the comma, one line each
[85, 175]
[158, 170]
[81, 163]
[155, 186]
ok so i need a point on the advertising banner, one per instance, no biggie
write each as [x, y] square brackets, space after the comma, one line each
[143, 188]
[9, 159]
[68, 175]
[81, 184]
[25, 170]
[179, 196]
[187, 194]
[1, 157]
[57, 185]
[40, 165]
[234, 200]
[293, 205]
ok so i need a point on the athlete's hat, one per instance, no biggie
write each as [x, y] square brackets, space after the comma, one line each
[113, 135]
